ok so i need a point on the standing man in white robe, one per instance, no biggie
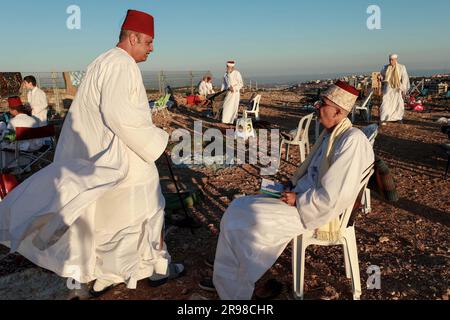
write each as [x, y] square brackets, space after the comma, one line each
[37, 100]
[97, 212]
[396, 85]
[255, 230]
[232, 81]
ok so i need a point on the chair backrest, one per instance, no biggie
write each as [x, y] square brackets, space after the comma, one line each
[23, 133]
[256, 102]
[347, 217]
[303, 127]
[7, 183]
[367, 100]
[161, 102]
[371, 132]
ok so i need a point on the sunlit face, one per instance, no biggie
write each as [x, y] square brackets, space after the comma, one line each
[141, 46]
[329, 113]
[393, 61]
[27, 85]
[229, 69]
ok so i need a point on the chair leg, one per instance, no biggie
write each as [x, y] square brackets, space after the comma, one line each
[281, 149]
[352, 251]
[302, 152]
[348, 271]
[288, 146]
[257, 116]
[298, 266]
[367, 202]
[448, 167]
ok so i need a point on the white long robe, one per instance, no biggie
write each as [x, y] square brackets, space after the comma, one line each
[393, 105]
[39, 105]
[255, 230]
[210, 88]
[232, 99]
[203, 88]
[98, 210]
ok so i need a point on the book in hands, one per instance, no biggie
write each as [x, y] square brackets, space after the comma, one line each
[271, 188]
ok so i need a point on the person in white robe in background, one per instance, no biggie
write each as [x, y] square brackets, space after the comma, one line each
[209, 85]
[255, 230]
[232, 82]
[37, 100]
[396, 85]
[97, 212]
[19, 118]
[203, 87]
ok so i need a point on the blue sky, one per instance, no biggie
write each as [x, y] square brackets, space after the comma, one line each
[283, 37]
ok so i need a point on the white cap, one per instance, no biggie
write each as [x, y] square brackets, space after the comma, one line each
[393, 56]
[231, 63]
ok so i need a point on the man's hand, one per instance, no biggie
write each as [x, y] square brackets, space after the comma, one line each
[231, 89]
[290, 198]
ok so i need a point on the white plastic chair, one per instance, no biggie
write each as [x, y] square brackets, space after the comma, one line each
[371, 133]
[301, 138]
[347, 241]
[255, 108]
[364, 107]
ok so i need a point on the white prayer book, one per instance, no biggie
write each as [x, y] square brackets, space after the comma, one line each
[271, 188]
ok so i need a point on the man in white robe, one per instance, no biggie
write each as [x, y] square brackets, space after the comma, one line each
[19, 118]
[232, 81]
[209, 85]
[396, 85]
[37, 100]
[255, 230]
[97, 212]
[203, 87]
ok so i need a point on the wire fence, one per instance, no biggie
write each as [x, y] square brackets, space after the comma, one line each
[60, 86]
[153, 80]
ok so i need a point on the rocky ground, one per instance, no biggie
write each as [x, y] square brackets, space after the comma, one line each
[409, 239]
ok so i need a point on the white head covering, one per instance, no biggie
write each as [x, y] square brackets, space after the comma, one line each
[393, 56]
[231, 63]
[343, 95]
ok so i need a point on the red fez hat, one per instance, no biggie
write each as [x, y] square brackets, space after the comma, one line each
[139, 21]
[347, 87]
[14, 102]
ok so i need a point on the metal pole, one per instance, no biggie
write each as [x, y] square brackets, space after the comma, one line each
[56, 93]
[189, 220]
[192, 83]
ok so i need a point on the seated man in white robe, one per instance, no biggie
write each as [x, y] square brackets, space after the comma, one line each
[203, 87]
[19, 118]
[255, 230]
[396, 85]
[209, 85]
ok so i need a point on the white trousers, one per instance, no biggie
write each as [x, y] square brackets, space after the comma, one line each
[254, 232]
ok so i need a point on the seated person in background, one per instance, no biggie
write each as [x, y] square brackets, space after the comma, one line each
[19, 118]
[37, 100]
[255, 230]
[210, 86]
[203, 87]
